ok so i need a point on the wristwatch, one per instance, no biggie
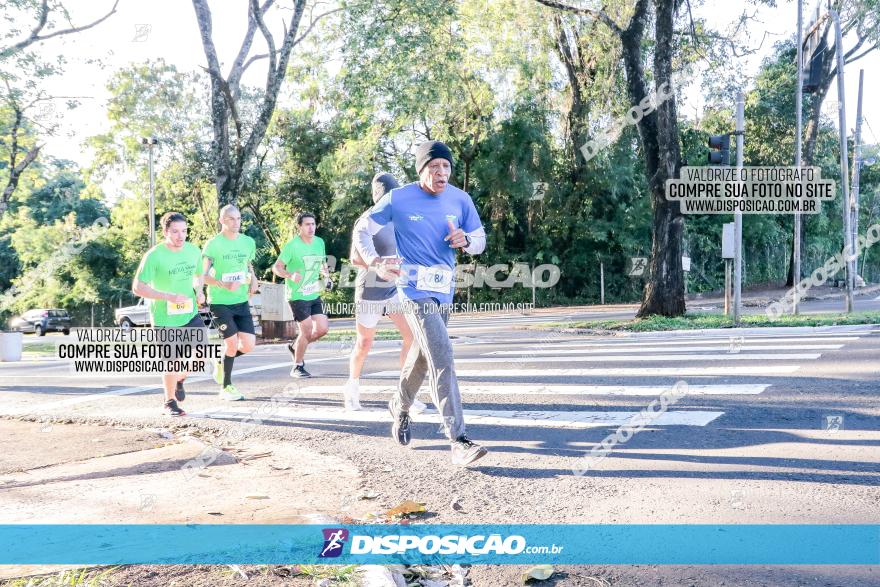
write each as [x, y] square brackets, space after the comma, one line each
[467, 240]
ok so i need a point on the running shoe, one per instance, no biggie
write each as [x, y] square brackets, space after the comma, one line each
[399, 426]
[351, 393]
[465, 452]
[291, 350]
[218, 371]
[417, 407]
[300, 371]
[172, 409]
[229, 393]
[180, 392]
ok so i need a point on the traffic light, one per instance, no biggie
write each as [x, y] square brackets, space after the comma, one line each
[720, 155]
[814, 48]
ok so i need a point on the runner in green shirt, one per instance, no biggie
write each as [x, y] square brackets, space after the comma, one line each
[229, 273]
[170, 277]
[302, 264]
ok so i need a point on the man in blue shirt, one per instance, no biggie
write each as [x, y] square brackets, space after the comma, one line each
[431, 220]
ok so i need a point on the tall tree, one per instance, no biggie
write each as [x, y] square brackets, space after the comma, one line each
[21, 68]
[232, 154]
[659, 138]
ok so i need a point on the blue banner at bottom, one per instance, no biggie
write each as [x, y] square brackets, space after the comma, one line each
[746, 544]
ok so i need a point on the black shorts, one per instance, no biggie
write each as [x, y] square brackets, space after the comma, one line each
[304, 309]
[231, 319]
[194, 322]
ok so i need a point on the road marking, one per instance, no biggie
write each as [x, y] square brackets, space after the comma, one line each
[622, 372]
[144, 388]
[727, 341]
[558, 389]
[545, 419]
[648, 359]
[662, 349]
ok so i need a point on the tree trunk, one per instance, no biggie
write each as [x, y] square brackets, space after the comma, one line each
[664, 290]
[16, 168]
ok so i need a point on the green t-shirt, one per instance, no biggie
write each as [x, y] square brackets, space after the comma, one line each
[230, 260]
[171, 272]
[307, 260]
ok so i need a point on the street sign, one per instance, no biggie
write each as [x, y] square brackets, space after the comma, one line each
[727, 241]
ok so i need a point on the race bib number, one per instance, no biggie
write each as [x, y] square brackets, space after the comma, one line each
[175, 308]
[311, 288]
[237, 277]
[434, 279]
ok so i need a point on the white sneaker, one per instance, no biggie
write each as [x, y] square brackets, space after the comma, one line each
[351, 393]
[417, 407]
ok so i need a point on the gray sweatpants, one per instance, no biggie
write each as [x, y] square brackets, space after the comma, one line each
[431, 355]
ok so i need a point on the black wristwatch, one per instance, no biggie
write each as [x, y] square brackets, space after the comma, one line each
[467, 240]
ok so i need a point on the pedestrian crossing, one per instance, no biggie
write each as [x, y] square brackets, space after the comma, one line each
[508, 418]
[493, 373]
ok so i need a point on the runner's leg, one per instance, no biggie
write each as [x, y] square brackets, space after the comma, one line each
[305, 327]
[428, 326]
[405, 334]
[361, 349]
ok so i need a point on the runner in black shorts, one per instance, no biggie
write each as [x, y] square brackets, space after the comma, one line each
[229, 273]
[302, 264]
[169, 276]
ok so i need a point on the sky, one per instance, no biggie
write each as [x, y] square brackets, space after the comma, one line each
[167, 29]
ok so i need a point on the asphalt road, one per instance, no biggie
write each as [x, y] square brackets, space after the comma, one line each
[778, 426]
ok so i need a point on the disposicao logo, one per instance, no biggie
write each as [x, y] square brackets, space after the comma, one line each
[334, 540]
[472, 545]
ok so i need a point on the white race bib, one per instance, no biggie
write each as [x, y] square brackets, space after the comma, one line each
[436, 279]
[175, 309]
[237, 277]
[311, 288]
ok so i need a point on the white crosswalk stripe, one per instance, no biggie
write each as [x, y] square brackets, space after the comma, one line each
[622, 372]
[645, 359]
[469, 389]
[714, 341]
[553, 419]
[661, 349]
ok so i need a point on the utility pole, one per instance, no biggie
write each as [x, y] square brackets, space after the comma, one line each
[798, 101]
[857, 167]
[737, 216]
[150, 143]
[846, 203]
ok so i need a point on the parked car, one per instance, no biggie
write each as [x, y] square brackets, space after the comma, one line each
[139, 315]
[41, 321]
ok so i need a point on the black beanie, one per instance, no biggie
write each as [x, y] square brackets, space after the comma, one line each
[431, 150]
[382, 184]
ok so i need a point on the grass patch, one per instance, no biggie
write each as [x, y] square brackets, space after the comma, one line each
[39, 348]
[340, 575]
[700, 321]
[72, 578]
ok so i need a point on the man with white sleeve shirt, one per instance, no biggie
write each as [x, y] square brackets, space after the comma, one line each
[431, 220]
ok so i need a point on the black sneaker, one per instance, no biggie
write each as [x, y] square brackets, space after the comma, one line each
[399, 426]
[465, 452]
[172, 409]
[180, 392]
[300, 371]
[291, 350]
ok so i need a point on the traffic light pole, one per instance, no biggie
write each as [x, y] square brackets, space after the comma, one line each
[857, 164]
[737, 216]
[846, 205]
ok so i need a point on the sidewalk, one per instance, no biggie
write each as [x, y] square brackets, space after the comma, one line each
[81, 473]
